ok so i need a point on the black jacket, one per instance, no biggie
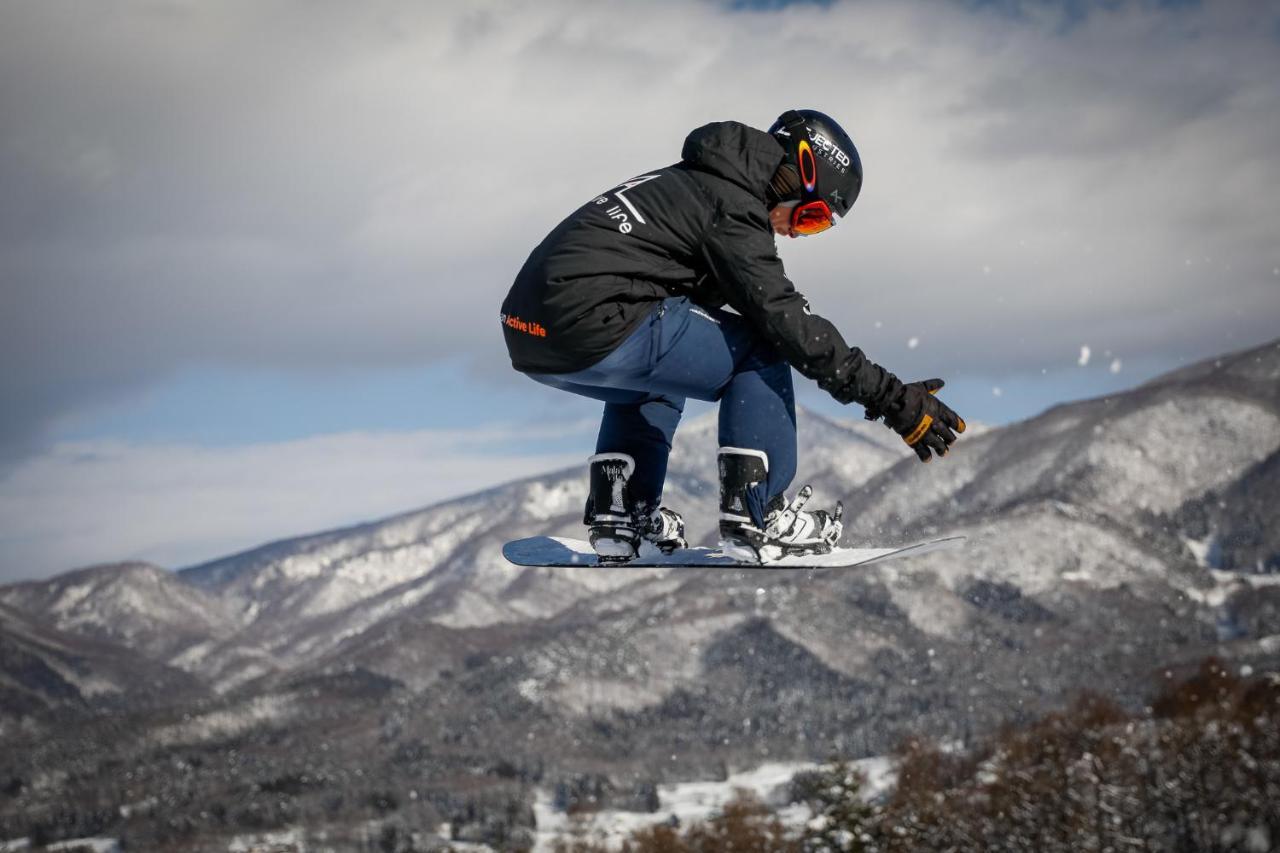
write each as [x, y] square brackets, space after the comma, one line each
[699, 228]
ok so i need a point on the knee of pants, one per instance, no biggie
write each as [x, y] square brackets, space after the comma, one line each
[665, 411]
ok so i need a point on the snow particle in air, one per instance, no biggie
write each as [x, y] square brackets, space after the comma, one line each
[997, 391]
[912, 343]
[1115, 365]
[1085, 352]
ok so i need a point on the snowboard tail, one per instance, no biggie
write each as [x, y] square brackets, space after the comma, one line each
[560, 552]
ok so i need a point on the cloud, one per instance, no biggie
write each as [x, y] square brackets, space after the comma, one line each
[95, 501]
[296, 187]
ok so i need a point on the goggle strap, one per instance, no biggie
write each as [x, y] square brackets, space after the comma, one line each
[798, 129]
[792, 120]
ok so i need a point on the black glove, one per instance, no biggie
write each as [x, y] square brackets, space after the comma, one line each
[924, 422]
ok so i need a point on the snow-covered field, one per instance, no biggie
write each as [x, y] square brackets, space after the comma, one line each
[684, 803]
[94, 845]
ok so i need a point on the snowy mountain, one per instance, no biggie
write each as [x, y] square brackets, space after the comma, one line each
[106, 635]
[408, 647]
[1146, 452]
[136, 605]
[43, 669]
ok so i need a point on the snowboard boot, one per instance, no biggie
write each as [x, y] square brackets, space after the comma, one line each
[618, 528]
[786, 530]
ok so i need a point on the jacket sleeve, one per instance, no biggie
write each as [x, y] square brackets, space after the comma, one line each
[740, 251]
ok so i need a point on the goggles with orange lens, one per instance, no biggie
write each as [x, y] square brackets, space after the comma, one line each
[812, 217]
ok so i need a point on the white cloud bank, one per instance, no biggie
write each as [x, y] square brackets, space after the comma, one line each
[99, 501]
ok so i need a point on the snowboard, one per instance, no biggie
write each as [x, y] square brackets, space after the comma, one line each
[559, 552]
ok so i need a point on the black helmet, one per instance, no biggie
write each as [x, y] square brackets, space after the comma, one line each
[834, 172]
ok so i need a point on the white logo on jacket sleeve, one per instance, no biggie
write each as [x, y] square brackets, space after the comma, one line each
[616, 212]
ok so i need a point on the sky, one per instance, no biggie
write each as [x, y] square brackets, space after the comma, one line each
[251, 255]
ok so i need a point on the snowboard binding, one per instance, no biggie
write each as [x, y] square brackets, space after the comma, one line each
[617, 526]
[779, 529]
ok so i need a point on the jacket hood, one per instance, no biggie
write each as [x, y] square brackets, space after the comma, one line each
[739, 154]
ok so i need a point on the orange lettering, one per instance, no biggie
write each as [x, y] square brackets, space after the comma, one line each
[529, 328]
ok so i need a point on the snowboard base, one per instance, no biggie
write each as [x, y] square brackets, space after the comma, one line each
[560, 552]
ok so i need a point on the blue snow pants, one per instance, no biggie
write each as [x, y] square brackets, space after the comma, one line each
[683, 350]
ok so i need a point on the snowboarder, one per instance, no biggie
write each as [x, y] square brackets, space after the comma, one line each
[623, 302]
